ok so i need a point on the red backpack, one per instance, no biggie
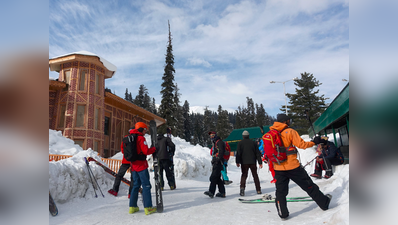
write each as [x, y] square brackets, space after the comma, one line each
[274, 150]
[227, 152]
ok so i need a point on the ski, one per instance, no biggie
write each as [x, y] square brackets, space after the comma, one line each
[158, 190]
[272, 200]
[171, 159]
[53, 206]
[124, 180]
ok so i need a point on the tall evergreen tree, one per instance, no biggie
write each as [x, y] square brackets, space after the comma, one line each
[155, 111]
[178, 114]
[251, 113]
[223, 126]
[208, 124]
[167, 105]
[306, 98]
[187, 122]
[261, 115]
[239, 121]
[126, 95]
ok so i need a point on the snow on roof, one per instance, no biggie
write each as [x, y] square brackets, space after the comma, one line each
[106, 63]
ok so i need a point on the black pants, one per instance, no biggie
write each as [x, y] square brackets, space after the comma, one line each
[245, 171]
[120, 174]
[328, 167]
[301, 178]
[166, 164]
[215, 179]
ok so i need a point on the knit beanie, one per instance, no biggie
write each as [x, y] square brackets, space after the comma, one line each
[282, 117]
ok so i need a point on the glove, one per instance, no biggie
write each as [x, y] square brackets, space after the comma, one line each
[317, 140]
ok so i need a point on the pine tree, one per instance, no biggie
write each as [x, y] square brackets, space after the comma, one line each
[306, 98]
[187, 122]
[251, 114]
[178, 114]
[239, 118]
[126, 95]
[261, 115]
[223, 127]
[208, 124]
[155, 111]
[167, 105]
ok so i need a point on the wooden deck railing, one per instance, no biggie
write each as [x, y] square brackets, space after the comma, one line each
[113, 164]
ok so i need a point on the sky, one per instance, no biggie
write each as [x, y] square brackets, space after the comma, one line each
[75, 197]
[224, 51]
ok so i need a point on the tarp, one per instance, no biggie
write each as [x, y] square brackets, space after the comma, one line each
[236, 135]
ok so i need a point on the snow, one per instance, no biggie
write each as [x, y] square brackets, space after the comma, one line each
[74, 194]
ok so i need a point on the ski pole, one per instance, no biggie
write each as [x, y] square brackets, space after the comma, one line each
[95, 179]
[312, 126]
[89, 174]
[309, 162]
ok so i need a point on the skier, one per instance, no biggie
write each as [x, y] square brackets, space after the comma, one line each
[122, 170]
[292, 170]
[217, 162]
[165, 149]
[224, 170]
[246, 154]
[330, 155]
[139, 170]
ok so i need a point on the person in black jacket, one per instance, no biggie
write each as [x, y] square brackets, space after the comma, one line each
[246, 155]
[217, 162]
[331, 155]
[165, 149]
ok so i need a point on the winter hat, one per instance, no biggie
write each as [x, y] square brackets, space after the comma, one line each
[245, 133]
[324, 140]
[212, 132]
[282, 117]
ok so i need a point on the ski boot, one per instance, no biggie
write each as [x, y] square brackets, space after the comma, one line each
[150, 210]
[112, 192]
[133, 210]
[208, 193]
[220, 195]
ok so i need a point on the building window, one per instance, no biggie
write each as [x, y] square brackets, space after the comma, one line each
[97, 84]
[80, 115]
[107, 125]
[96, 144]
[66, 79]
[61, 121]
[82, 80]
[80, 143]
[97, 119]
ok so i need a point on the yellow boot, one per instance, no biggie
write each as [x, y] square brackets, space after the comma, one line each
[150, 210]
[133, 210]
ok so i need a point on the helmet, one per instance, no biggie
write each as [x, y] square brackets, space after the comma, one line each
[141, 125]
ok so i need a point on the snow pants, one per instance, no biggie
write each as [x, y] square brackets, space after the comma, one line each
[326, 165]
[141, 178]
[215, 179]
[166, 165]
[245, 171]
[301, 178]
[224, 172]
[120, 174]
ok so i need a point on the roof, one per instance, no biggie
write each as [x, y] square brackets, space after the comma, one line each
[119, 102]
[236, 135]
[335, 113]
[55, 62]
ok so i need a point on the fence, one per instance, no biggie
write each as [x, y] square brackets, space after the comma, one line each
[113, 164]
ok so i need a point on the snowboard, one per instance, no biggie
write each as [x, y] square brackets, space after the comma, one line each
[53, 206]
[124, 180]
[272, 200]
[158, 190]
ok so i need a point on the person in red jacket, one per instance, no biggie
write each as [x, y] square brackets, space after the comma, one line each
[140, 173]
[122, 170]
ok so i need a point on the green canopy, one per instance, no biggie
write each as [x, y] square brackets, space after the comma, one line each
[236, 135]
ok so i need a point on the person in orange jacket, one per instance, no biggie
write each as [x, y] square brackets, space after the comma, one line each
[120, 174]
[139, 169]
[291, 169]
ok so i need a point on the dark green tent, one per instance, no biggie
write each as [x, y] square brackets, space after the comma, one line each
[236, 135]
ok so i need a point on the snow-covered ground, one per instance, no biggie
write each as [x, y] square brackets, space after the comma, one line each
[73, 192]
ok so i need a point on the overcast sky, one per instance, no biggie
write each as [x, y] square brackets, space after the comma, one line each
[224, 51]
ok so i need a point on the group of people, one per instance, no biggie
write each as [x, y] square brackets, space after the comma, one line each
[248, 155]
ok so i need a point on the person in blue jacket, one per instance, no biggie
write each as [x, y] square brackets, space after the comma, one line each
[331, 155]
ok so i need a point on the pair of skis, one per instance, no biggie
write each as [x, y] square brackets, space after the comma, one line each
[272, 200]
[124, 180]
[158, 190]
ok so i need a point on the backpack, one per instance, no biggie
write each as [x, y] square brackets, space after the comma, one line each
[130, 149]
[227, 152]
[274, 150]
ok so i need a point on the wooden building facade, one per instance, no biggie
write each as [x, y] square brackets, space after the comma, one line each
[80, 107]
